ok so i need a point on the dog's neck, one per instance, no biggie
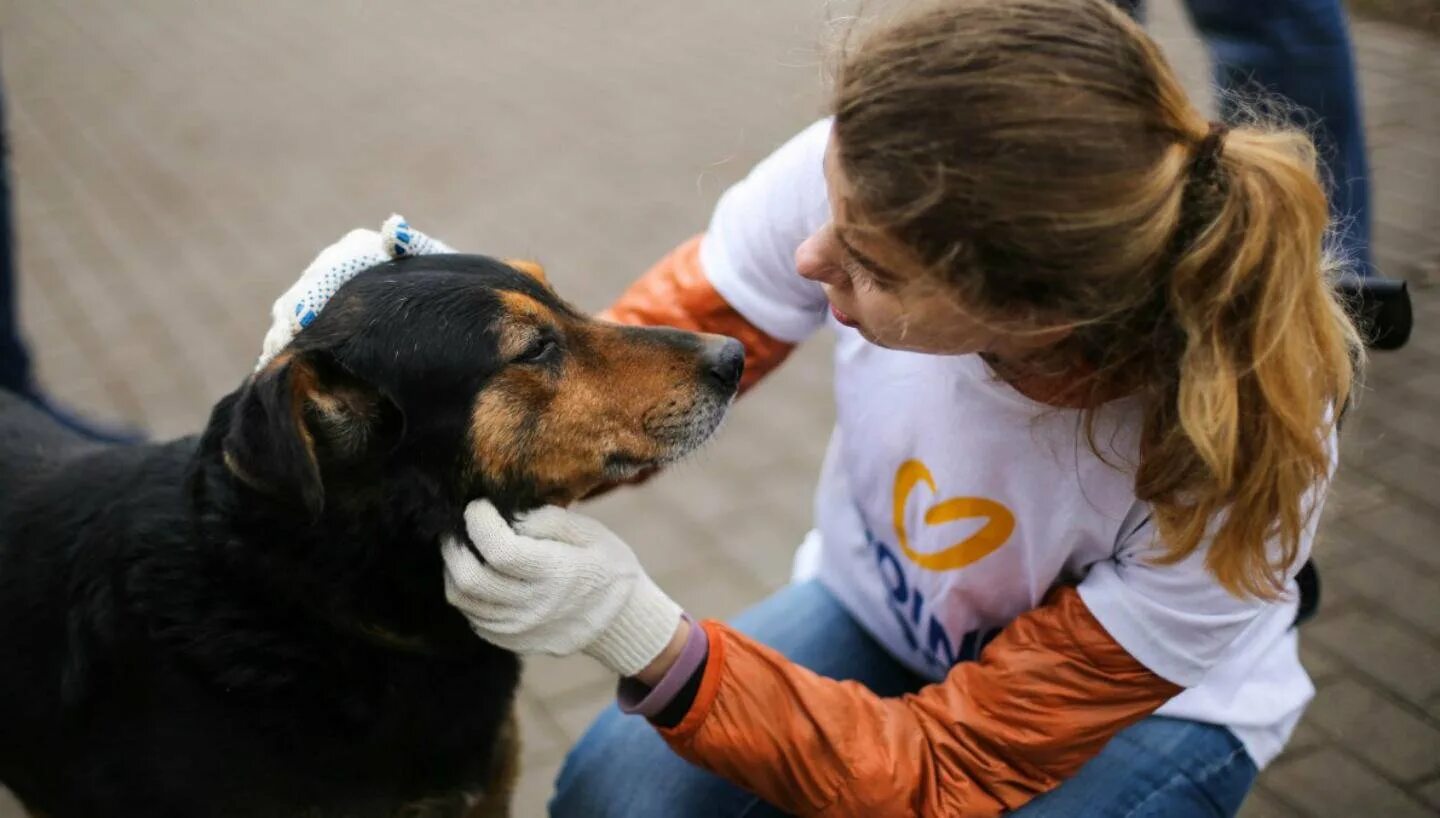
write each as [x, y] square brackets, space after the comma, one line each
[370, 564]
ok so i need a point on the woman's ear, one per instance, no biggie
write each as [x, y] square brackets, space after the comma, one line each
[300, 413]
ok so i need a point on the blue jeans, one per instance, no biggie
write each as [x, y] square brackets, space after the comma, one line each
[1299, 50]
[1159, 767]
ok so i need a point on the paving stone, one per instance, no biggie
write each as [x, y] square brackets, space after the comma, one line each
[1430, 793]
[1306, 739]
[1384, 650]
[1395, 586]
[541, 738]
[763, 548]
[666, 543]
[1319, 663]
[1329, 783]
[1426, 385]
[1339, 543]
[1401, 744]
[1402, 416]
[574, 715]
[537, 784]
[719, 591]
[547, 677]
[1403, 529]
[1409, 472]
[1261, 804]
[1353, 493]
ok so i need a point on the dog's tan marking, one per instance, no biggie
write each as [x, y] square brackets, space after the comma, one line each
[240, 474]
[529, 268]
[496, 426]
[500, 789]
[303, 385]
[523, 318]
[518, 305]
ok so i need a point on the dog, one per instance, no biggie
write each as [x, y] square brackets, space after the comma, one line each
[251, 622]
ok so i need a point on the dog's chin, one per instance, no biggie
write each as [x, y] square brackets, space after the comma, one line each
[701, 425]
[620, 467]
[675, 442]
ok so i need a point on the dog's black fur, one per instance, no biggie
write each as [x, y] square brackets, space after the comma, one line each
[252, 622]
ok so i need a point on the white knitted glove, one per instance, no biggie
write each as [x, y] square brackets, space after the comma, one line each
[558, 583]
[357, 251]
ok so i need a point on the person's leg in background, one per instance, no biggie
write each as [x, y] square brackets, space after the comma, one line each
[14, 358]
[1300, 50]
[16, 373]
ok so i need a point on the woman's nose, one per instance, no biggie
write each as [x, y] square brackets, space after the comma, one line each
[817, 259]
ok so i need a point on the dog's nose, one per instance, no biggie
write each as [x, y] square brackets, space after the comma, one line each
[723, 361]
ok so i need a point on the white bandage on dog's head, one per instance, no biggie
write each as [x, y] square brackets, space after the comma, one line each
[357, 251]
[400, 239]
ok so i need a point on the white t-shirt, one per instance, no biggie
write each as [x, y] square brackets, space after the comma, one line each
[949, 503]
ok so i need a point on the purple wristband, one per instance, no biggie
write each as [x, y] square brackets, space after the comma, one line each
[638, 699]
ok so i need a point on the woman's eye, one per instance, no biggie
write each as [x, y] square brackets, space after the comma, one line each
[541, 349]
[860, 278]
[862, 281]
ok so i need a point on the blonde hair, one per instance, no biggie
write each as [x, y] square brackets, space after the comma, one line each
[1041, 159]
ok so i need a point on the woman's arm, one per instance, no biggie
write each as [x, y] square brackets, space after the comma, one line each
[1044, 698]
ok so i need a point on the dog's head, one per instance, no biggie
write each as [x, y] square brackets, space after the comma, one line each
[472, 374]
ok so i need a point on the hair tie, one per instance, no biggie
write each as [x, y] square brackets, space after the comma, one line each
[1207, 153]
[1203, 186]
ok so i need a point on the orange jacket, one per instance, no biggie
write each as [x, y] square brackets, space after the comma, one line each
[1045, 696]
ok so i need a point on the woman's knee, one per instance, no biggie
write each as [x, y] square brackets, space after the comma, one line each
[594, 766]
[1157, 767]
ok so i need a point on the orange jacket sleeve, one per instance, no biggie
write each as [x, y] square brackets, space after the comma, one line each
[676, 293]
[1044, 698]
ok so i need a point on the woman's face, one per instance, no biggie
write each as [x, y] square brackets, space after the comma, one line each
[878, 288]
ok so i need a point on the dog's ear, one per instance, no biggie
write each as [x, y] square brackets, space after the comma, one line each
[268, 445]
[299, 415]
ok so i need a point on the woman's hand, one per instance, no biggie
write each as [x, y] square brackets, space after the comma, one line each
[561, 583]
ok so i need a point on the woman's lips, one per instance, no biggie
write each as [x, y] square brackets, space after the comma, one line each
[842, 317]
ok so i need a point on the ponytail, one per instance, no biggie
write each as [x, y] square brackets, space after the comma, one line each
[1236, 443]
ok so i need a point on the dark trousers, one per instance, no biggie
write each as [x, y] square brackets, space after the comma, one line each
[14, 359]
[1298, 50]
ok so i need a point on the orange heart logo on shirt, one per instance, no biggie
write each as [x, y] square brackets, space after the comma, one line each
[999, 522]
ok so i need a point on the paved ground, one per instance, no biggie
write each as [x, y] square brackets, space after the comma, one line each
[178, 163]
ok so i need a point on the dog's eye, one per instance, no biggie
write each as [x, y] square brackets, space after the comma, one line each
[540, 350]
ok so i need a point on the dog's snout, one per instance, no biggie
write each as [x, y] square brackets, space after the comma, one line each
[724, 362]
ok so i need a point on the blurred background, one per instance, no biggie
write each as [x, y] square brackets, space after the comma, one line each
[176, 164]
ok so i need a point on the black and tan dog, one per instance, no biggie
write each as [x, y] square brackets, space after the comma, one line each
[252, 622]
